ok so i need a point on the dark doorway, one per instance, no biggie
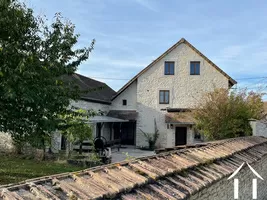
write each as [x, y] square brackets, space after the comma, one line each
[180, 135]
[63, 142]
[117, 132]
[126, 132]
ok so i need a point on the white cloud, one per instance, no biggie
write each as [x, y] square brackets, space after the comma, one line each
[115, 63]
[146, 4]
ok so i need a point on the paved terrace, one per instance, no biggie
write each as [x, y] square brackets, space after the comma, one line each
[171, 174]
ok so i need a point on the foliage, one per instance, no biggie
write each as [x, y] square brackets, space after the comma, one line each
[128, 157]
[15, 169]
[152, 137]
[225, 114]
[74, 125]
[34, 57]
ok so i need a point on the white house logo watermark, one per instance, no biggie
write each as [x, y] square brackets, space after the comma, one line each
[254, 181]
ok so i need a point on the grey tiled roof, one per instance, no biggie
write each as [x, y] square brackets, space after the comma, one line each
[92, 90]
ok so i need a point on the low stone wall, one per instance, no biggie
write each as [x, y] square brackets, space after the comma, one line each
[6, 144]
[259, 128]
[224, 189]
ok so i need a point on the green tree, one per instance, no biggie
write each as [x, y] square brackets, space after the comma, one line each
[74, 126]
[34, 56]
[225, 114]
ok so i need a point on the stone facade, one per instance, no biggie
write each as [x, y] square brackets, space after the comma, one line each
[86, 105]
[259, 128]
[186, 91]
[224, 189]
[6, 144]
[130, 95]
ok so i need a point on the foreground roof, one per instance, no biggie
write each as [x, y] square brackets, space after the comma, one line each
[92, 90]
[181, 41]
[174, 174]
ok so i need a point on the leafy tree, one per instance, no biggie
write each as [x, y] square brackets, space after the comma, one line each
[74, 125]
[34, 56]
[225, 114]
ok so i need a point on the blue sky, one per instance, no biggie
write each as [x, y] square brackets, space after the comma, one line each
[130, 34]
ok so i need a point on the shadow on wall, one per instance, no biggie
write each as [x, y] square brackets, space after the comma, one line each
[145, 122]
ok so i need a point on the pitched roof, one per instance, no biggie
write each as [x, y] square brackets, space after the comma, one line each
[123, 114]
[92, 90]
[175, 174]
[232, 81]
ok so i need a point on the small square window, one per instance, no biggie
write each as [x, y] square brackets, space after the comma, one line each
[169, 68]
[124, 102]
[195, 68]
[164, 96]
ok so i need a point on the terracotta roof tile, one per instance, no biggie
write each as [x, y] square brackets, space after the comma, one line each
[173, 174]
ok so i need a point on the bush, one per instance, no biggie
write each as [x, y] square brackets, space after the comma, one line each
[225, 114]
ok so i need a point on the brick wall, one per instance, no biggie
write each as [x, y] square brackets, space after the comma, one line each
[224, 189]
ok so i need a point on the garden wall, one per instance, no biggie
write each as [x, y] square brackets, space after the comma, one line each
[224, 189]
[6, 144]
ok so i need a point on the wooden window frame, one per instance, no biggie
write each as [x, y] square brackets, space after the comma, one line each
[169, 67]
[164, 100]
[195, 67]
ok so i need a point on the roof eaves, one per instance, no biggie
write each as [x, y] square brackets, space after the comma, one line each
[95, 100]
[210, 62]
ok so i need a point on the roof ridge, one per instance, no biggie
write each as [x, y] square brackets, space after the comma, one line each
[90, 78]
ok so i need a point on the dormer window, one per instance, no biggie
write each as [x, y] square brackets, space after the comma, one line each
[169, 68]
[124, 102]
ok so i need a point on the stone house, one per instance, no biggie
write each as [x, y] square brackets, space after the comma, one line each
[95, 96]
[172, 84]
[164, 92]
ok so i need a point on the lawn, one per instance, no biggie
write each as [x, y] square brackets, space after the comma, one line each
[15, 169]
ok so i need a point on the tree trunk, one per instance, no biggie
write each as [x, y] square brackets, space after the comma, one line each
[44, 148]
[67, 149]
[81, 148]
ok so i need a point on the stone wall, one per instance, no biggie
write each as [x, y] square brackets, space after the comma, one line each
[130, 95]
[224, 189]
[6, 144]
[259, 128]
[186, 91]
[86, 105]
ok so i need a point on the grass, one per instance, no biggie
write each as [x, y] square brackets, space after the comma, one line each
[15, 169]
